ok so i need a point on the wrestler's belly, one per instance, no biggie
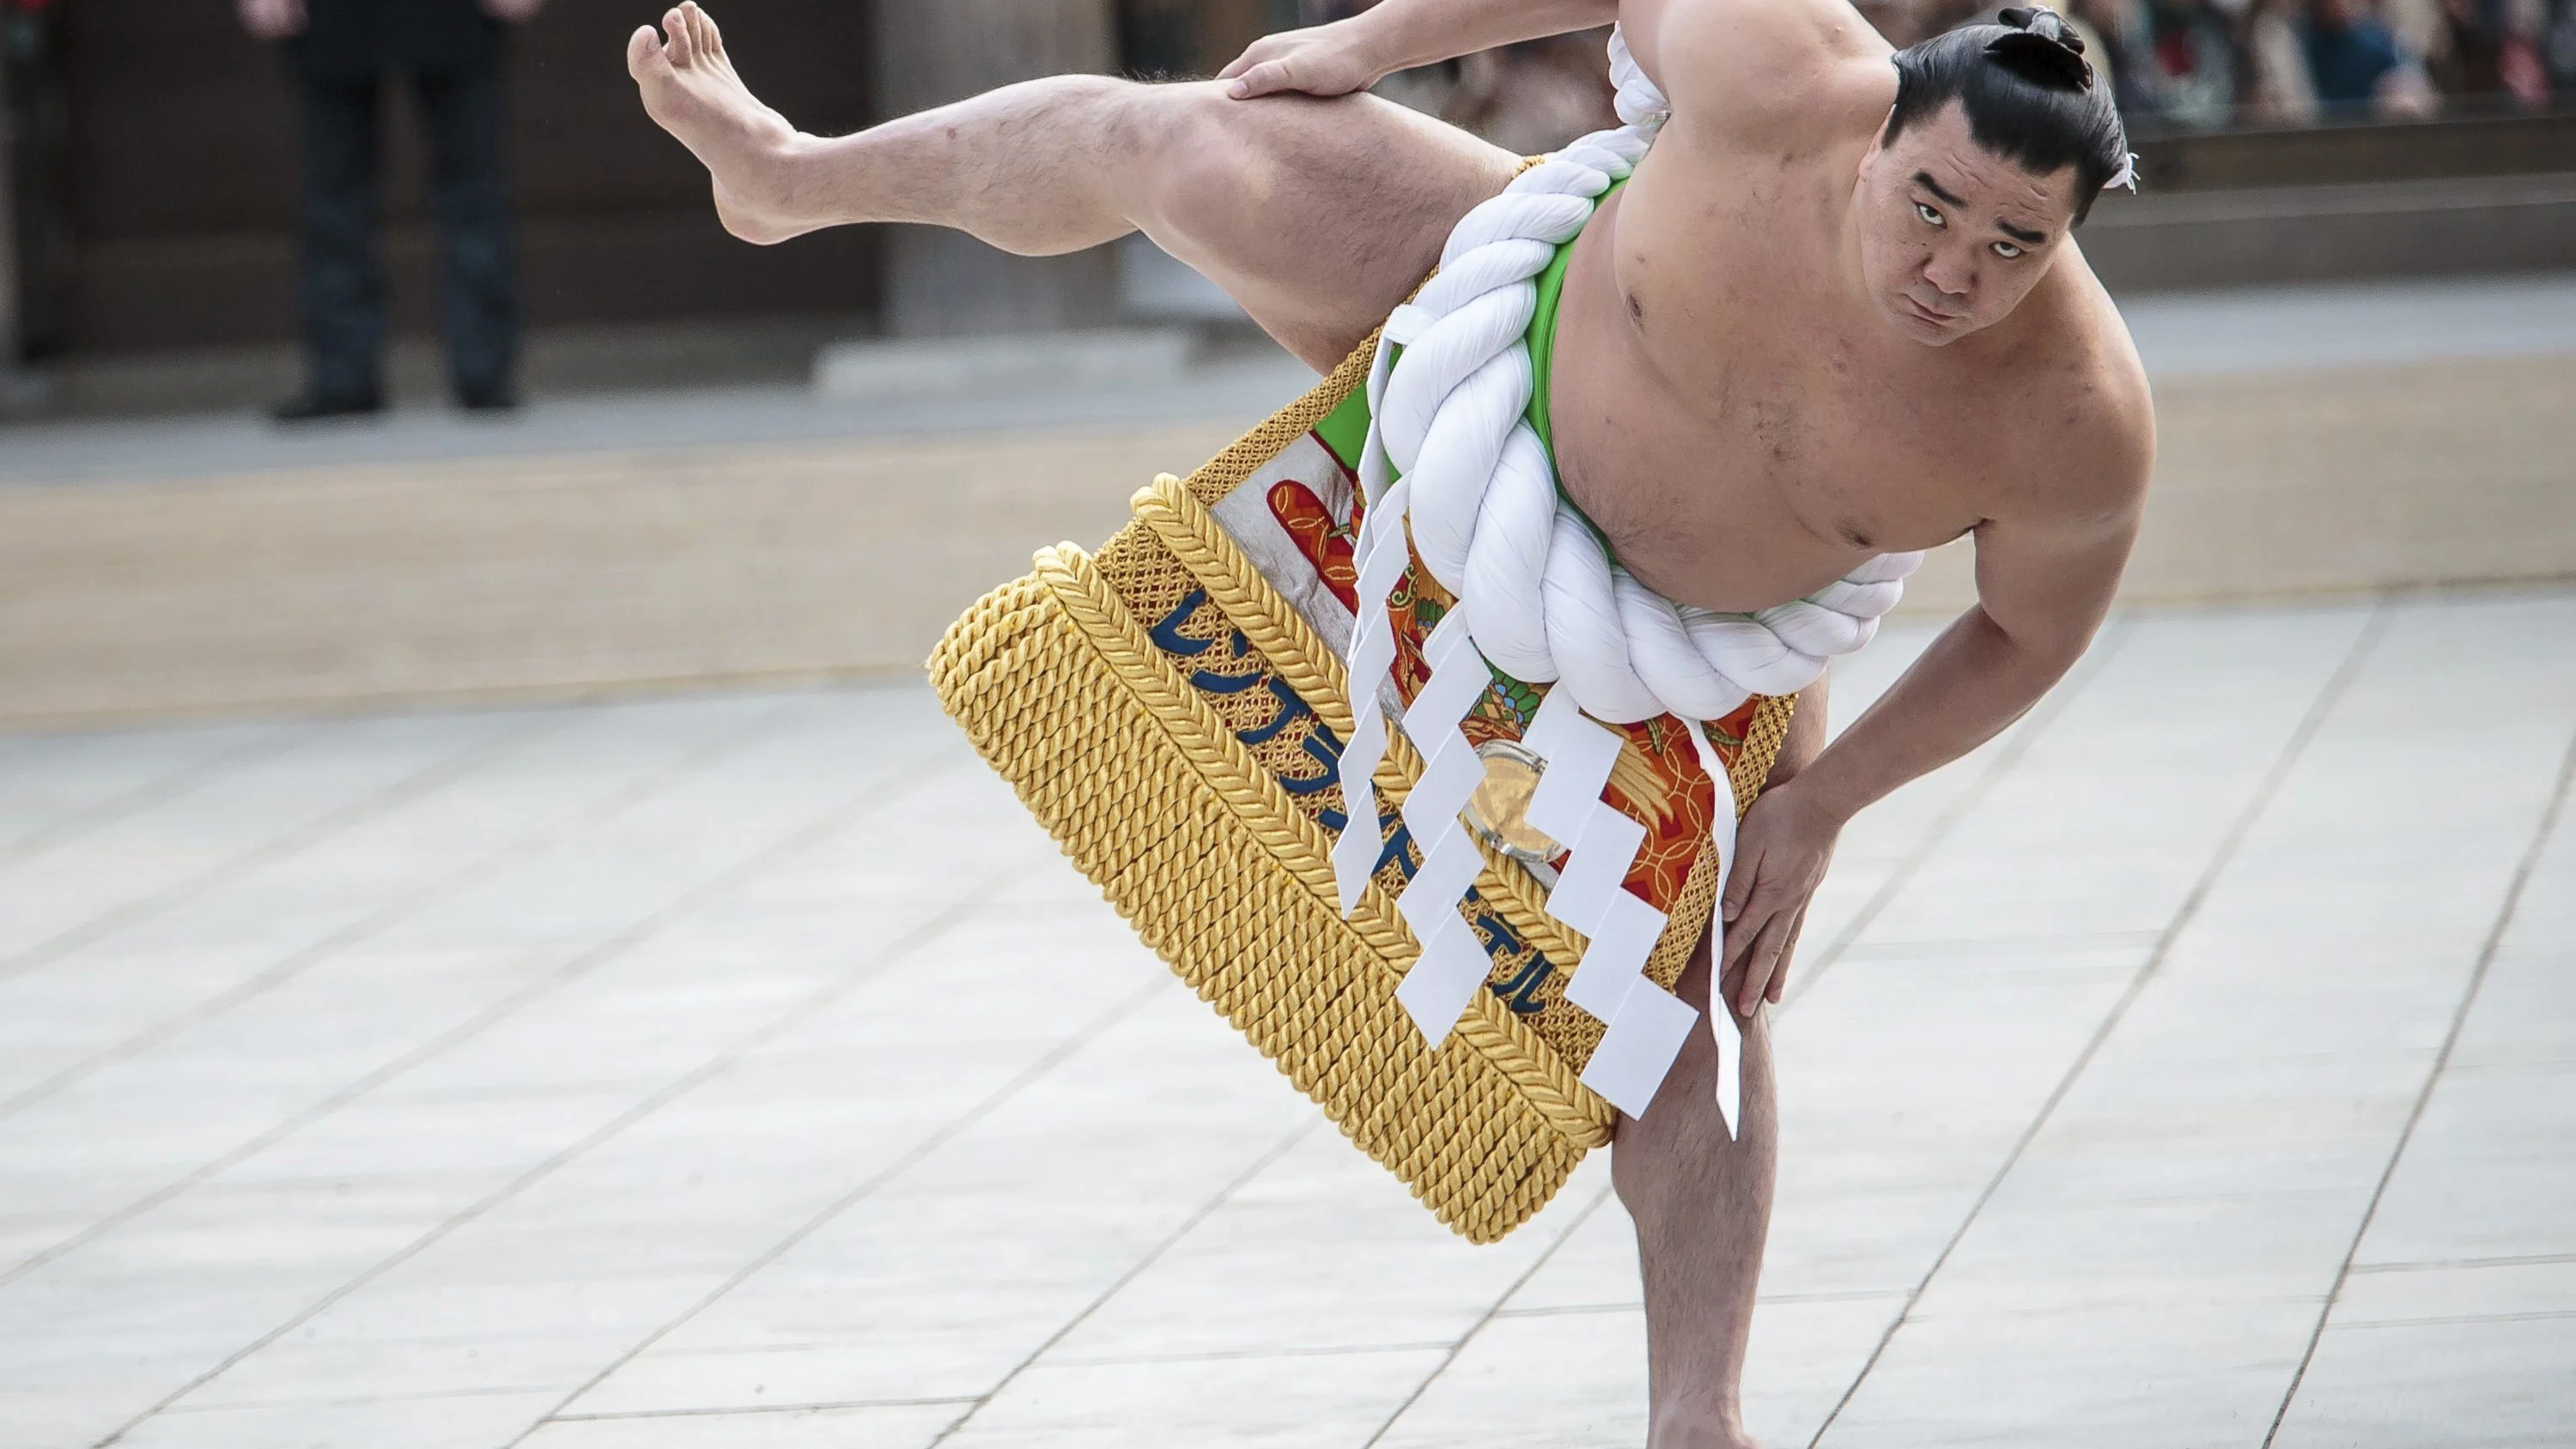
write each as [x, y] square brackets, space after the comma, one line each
[1718, 549]
[1764, 484]
[1691, 527]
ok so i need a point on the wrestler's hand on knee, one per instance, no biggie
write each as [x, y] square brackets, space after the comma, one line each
[1781, 852]
[1321, 60]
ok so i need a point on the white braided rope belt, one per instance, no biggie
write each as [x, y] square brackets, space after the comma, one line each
[1450, 453]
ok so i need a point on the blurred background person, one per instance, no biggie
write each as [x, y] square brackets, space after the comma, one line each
[2103, 26]
[338, 53]
[2467, 58]
[2487, 54]
[2191, 80]
[2277, 90]
[2360, 68]
[2558, 47]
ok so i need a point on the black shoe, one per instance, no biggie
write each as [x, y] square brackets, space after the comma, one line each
[489, 400]
[307, 407]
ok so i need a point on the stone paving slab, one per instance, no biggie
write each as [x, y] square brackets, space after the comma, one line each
[2191, 1065]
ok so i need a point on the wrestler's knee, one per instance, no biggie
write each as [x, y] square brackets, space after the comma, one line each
[1208, 157]
[1685, 1105]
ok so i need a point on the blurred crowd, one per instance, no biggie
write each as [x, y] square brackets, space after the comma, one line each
[2205, 65]
[2190, 65]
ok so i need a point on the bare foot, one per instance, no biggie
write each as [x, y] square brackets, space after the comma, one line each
[690, 89]
[1722, 1435]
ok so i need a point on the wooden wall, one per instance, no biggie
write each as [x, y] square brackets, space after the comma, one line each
[183, 167]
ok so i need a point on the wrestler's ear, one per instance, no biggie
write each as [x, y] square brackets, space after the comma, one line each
[1869, 157]
[1885, 136]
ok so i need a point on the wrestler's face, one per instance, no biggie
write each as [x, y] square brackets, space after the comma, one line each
[1953, 236]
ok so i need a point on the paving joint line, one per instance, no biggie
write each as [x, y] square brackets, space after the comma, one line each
[1569, 1310]
[634, 793]
[2540, 837]
[2328, 696]
[176, 784]
[817, 1407]
[697, 1076]
[1459, 1346]
[933, 1139]
[579, 964]
[2434, 1265]
[2455, 1320]
[1999, 948]
[412, 786]
[1171, 1240]
[2025, 733]
[1238, 1355]
[359, 1401]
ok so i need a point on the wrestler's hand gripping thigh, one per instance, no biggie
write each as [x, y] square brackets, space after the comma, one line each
[1318, 216]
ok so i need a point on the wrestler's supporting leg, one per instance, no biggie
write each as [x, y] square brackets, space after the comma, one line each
[1317, 215]
[1702, 1203]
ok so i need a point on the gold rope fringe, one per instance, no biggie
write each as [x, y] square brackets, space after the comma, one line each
[1285, 639]
[1153, 797]
[1201, 851]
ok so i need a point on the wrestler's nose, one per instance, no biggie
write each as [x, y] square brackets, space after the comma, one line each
[1950, 275]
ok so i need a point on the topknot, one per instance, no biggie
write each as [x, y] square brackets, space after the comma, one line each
[2037, 45]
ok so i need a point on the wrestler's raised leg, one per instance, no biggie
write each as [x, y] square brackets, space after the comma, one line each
[1317, 215]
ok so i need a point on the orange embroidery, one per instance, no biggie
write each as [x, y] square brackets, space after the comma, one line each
[1326, 544]
[1659, 783]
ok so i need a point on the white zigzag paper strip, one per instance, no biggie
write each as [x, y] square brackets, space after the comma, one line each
[1450, 774]
[1721, 1017]
[1540, 597]
[1647, 1024]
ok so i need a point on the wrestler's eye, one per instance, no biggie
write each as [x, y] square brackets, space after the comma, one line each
[2007, 250]
[1930, 217]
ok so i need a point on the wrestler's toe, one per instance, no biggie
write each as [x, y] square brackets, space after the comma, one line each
[644, 53]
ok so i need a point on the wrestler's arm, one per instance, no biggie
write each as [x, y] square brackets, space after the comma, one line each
[1726, 50]
[1730, 64]
[2045, 579]
[1355, 53]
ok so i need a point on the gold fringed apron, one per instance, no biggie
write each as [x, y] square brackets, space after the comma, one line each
[1172, 710]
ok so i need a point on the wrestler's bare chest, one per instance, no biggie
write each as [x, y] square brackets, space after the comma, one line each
[1740, 433]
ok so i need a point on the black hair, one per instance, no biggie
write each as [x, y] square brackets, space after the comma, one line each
[2031, 97]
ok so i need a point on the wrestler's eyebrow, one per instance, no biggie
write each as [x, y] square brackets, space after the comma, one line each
[2026, 238]
[1924, 180]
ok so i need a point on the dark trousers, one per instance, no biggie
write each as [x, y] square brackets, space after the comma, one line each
[340, 291]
